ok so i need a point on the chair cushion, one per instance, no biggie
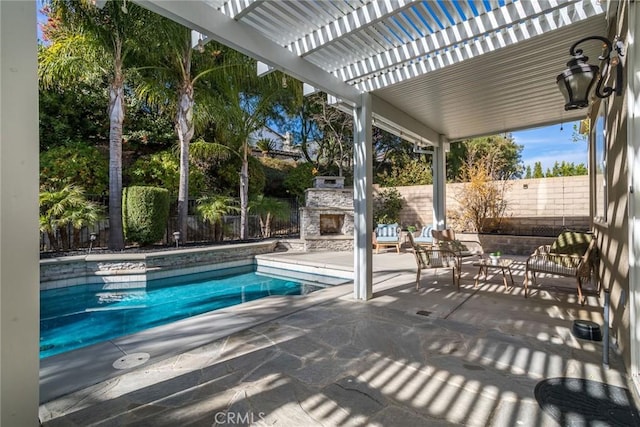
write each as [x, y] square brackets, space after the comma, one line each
[426, 231]
[387, 230]
[571, 243]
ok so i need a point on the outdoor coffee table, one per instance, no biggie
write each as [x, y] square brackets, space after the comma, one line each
[503, 264]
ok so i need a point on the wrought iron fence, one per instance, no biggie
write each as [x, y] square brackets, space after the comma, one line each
[200, 231]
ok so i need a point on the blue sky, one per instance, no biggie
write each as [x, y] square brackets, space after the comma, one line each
[550, 144]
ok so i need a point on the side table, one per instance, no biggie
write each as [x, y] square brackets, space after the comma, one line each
[503, 264]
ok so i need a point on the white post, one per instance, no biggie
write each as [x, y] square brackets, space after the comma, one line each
[439, 186]
[19, 270]
[362, 199]
[632, 66]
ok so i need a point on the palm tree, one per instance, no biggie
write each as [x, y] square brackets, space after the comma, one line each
[243, 106]
[173, 85]
[265, 145]
[89, 41]
[213, 208]
[268, 208]
[63, 207]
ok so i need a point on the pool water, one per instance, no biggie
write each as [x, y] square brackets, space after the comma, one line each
[79, 316]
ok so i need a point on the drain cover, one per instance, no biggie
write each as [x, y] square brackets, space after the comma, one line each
[131, 360]
[423, 313]
[580, 402]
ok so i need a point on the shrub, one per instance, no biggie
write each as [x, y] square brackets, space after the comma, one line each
[145, 211]
[299, 179]
[482, 202]
[76, 164]
[387, 205]
[162, 169]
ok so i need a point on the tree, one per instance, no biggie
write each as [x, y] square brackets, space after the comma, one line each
[500, 155]
[406, 171]
[265, 145]
[89, 41]
[162, 169]
[387, 205]
[267, 209]
[567, 169]
[60, 208]
[213, 208]
[482, 199]
[243, 105]
[75, 164]
[300, 178]
[528, 174]
[537, 170]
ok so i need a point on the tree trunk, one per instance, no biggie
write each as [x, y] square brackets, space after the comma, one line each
[53, 241]
[267, 231]
[244, 193]
[185, 130]
[116, 118]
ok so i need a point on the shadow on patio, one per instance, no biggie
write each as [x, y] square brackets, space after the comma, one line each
[472, 357]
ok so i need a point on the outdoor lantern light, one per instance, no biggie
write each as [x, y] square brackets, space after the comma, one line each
[176, 237]
[92, 238]
[576, 82]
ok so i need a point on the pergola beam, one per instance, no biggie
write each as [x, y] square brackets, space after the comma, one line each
[510, 24]
[245, 39]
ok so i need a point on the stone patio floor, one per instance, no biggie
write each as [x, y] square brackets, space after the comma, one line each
[469, 358]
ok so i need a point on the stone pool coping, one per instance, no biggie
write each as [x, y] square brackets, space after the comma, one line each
[67, 372]
[140, 267]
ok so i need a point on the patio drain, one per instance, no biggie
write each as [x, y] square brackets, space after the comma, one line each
[580, 402]
[131, 360]
[423, 313]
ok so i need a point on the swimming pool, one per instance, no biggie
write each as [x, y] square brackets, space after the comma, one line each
[78, 316]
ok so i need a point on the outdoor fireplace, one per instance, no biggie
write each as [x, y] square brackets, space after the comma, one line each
[327, 218]
[331, 224]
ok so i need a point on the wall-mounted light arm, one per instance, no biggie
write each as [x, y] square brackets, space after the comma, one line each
[576, 82]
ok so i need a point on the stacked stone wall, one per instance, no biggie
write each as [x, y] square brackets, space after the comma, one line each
[138, 267]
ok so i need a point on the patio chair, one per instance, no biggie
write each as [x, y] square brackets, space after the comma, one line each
[387, 235]
[425, 237]
[431, 257]
[463, 248]
[572, 254]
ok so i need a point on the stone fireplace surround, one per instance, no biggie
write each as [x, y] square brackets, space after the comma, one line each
[327, 218]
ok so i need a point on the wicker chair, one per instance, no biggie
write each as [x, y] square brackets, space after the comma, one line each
[446, 239]
[576, 261]
[435, 258]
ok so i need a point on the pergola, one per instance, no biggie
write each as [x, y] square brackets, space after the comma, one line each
[431, 72]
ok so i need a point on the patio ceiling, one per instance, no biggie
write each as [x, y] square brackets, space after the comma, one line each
[435, 67]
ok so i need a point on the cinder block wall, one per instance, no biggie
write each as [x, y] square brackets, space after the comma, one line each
[531, 203]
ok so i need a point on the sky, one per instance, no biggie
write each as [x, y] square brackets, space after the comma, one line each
[550, 144]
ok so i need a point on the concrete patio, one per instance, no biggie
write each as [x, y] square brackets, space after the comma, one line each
[408, 357]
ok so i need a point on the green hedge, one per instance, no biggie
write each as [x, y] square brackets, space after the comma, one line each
[145, 211]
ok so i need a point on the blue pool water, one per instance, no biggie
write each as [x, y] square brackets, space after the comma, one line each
[79, 316]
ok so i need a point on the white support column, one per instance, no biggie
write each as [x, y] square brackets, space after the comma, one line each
[19, 270]
[362, 199]
[440, 185]
[632, 67]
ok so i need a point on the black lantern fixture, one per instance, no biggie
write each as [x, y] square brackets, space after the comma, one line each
[576, 82]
